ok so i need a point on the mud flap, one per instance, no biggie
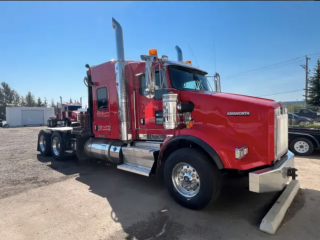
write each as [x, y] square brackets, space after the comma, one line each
[271, 222]
[38, 148]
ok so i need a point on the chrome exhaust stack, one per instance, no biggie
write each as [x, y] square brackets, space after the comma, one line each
[61, 118]
[121, 84]
[179, 54]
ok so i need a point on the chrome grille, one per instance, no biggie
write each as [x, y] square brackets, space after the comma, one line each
[280, 132]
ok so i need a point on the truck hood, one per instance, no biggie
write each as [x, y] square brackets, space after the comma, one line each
[243, 120]
[239, 98]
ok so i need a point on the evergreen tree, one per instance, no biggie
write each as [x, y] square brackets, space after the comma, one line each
[16, 99]
[23, 101]
[52, 103]
[39, 102]
[1, 97]
[30, 102]
[54, 106]
[7, 94]
[314, 87]
[45, 103]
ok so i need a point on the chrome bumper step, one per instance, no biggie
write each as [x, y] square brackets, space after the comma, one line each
[138, 169]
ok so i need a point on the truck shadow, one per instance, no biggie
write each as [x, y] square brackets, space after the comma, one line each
[145, 210]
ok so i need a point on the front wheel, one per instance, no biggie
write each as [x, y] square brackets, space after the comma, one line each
[301, 146]
[191, 178]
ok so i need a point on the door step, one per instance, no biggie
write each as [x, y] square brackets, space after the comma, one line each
[138, 169]
[139, 158]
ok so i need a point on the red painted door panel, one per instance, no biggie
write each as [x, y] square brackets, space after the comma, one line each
[148, 108]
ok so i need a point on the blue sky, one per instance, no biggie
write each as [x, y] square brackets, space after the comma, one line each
[45, 45]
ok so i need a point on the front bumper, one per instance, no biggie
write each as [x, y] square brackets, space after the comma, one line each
[273, 178]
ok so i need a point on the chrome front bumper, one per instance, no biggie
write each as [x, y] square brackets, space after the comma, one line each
[274, 178]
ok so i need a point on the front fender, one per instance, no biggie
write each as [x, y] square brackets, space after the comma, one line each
[195, 140]
[219, 145]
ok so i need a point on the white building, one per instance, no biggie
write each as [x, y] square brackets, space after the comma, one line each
[28, 116]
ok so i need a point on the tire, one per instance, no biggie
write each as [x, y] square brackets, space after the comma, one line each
[301, 146]
[208, 174]
[57, 147]
[44, 142]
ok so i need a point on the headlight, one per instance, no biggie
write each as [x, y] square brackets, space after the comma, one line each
[241, 152]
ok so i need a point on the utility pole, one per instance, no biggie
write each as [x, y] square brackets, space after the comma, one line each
[307, 72]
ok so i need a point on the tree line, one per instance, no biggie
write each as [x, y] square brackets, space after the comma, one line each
[11, 98]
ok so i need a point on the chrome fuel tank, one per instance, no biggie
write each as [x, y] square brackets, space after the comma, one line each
[104, 149]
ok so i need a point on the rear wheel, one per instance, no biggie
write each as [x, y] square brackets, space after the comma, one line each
[57, 146]
[44, 142]
[301, 146]
[191, 178]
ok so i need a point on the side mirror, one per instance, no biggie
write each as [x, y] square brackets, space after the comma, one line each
[158, 93]
[149, 75]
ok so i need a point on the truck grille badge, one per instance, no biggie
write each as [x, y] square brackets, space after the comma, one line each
[238, 113]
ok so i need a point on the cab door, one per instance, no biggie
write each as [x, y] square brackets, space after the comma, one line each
[149, 109]
[101, 109]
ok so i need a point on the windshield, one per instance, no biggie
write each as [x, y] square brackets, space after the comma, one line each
[73, 108]
[183, 78]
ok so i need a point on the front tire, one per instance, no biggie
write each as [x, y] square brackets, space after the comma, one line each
[191, 178]
[57, 146]
[302, 146]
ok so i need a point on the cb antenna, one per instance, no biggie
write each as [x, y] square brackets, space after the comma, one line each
[193, 55]
[214, 55]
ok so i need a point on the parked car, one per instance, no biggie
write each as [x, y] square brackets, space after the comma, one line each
[295, 119]
[303, 112]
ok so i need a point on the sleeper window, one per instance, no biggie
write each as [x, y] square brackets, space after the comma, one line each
[102, 98]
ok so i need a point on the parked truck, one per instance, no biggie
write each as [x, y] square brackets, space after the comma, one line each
[67, 114]
[159, 116]
[304, 112]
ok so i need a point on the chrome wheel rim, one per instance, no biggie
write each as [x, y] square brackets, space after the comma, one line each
[56, 146]
[301, 147]
[42, 143]
[186, 180]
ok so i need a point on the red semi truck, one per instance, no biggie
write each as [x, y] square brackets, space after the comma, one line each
[158, 116]
[67, 114]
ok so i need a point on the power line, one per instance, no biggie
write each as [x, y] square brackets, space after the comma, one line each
[281, 64]
[264, 68]
[282, 93]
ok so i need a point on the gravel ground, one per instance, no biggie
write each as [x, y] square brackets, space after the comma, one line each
[44, 199]
[20, 166]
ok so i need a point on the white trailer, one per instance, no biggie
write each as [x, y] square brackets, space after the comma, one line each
[28, 116]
